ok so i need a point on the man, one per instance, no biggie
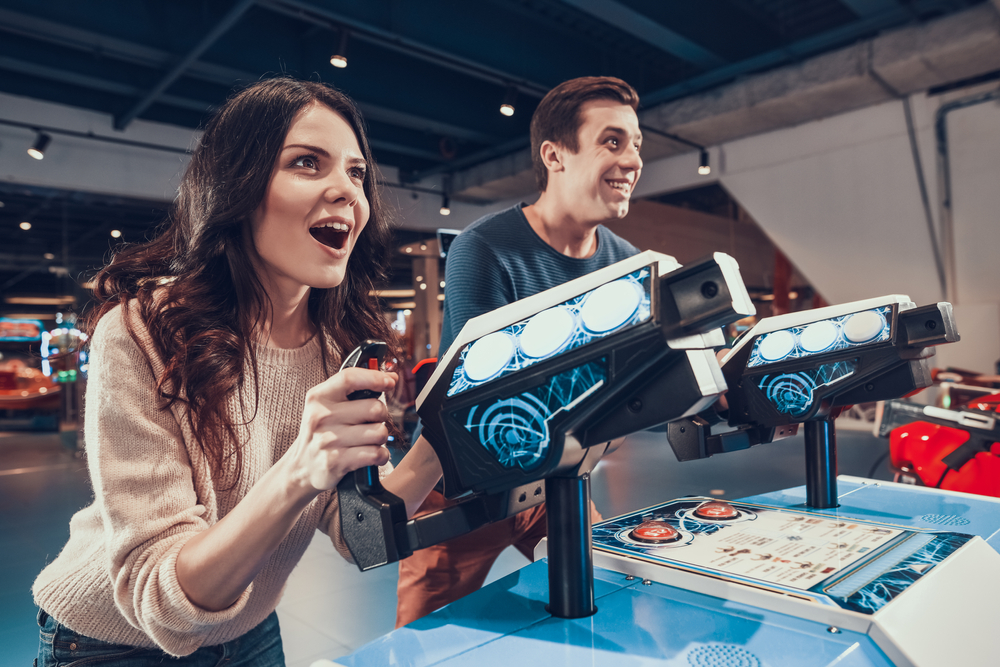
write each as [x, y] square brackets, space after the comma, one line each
[585, 143]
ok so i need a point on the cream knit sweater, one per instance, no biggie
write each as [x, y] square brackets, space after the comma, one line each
[116, 580]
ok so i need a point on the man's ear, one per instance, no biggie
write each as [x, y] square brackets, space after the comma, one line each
[552, 154]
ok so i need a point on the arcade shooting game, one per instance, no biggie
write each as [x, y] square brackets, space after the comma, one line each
[540, 389]
[530, 397]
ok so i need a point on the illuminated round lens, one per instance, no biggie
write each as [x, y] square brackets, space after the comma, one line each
[776, 346]
[717, 510]
[546, 332]
[610, 306]
[488, 356]
[655, 532]
[862, 327]
[819, 336]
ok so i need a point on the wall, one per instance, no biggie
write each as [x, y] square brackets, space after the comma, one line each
[840, 197]
[689, 235]
[87, 165]
[95, 166]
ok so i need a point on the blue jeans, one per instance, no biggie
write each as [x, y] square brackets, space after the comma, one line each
[58, 646]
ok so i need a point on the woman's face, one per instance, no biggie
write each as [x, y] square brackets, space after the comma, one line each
[315, 206]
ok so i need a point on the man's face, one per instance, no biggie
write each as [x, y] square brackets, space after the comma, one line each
[597, 181]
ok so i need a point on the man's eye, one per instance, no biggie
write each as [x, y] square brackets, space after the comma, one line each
[613, 141]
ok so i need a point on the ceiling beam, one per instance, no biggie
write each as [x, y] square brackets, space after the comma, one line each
[94, 83]
[412, 122]
[869, 8]
[228, 21]
[138, 54]
[405, 150]
[305, 11]
[794, 51]
[644, 28]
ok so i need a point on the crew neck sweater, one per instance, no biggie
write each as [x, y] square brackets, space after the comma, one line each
[116, 580]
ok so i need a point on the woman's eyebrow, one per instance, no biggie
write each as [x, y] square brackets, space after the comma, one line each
[311, 149]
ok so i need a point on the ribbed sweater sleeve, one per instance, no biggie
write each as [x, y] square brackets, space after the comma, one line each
[143, 474]
[116, 578]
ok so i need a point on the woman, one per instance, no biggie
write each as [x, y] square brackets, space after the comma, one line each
[216, 430]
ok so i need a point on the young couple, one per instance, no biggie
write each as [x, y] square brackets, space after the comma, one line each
[217, 426]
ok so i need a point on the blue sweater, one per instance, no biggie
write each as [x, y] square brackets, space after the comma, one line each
[500, 259]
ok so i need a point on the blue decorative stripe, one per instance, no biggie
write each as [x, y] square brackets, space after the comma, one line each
[903, 574]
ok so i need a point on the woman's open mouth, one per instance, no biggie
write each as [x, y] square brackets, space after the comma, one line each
[331, 234]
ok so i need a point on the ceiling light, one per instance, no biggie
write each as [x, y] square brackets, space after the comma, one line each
[37, 149]
[420, 279]
[339, 59]
[25, 226]
[445, 205]
[49, 255]
[509, 97]
[115, 233]
[703, 167]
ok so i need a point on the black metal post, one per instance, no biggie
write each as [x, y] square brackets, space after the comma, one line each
[571, 560]
[821, 464]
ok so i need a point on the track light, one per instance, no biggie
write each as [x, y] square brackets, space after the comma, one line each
[445, 208]
[25, 226]
[509, 97]
[703, 167]
[37, 149]
[339, 59]
[116, 234]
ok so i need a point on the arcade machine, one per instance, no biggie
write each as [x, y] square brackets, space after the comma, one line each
[26, 395]
[64, 359]
[943, 448]
[797, 577]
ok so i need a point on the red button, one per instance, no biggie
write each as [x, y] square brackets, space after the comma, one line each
[716, 511]
[655, 532]
[373, 364]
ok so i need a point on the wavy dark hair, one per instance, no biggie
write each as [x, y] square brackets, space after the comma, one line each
[195, 286]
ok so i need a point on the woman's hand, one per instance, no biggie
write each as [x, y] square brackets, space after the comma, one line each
[338, 435]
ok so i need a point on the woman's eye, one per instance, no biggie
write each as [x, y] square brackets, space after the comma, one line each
[357, 173]
[306, 161]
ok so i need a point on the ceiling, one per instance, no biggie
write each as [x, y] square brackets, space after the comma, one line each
[429, 75]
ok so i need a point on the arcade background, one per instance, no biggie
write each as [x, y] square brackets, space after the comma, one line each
[814, 188]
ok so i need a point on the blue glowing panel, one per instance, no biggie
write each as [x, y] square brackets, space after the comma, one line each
[598, 313]
[794, 393]
[515, 430]
[837, 333]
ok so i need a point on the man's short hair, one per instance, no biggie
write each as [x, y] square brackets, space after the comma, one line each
[557, 118]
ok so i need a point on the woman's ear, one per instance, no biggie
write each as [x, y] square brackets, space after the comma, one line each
[551, 154]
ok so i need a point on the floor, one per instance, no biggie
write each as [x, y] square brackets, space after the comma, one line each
[329, 608]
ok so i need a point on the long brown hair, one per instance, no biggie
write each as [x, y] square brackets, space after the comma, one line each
[195, 286]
